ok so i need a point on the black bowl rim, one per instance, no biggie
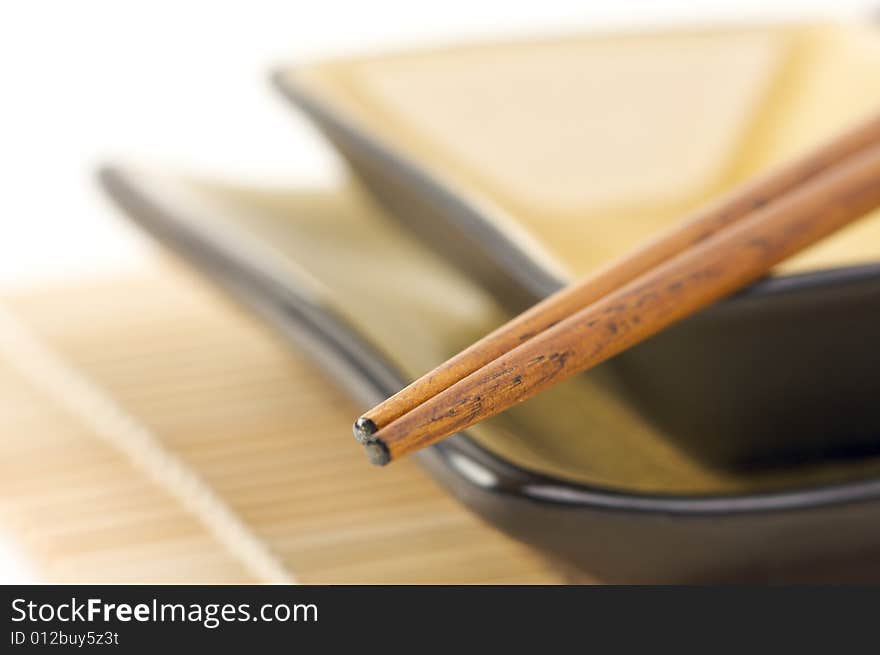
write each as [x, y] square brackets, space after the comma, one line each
[298, 316]
[536, 279]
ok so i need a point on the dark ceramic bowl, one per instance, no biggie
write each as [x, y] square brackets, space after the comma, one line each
[810, 531]
[787, 370]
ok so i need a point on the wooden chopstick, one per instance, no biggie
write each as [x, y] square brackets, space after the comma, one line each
[694, 229]
[703, 273]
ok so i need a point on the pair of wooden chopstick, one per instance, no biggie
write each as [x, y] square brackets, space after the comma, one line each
[719, 249]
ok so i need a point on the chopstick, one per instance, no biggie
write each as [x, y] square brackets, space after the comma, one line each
[709, 269]
[694, 229]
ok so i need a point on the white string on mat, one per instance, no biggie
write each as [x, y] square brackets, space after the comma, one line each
[70, 388]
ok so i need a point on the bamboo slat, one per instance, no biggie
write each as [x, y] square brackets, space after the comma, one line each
[226, 398]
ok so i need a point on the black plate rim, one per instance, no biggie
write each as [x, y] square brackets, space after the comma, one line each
[293, 311]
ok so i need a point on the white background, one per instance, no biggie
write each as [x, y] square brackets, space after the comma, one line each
[185, 83]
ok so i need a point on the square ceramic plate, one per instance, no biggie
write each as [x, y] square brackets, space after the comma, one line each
[573, 472]
[529, 163]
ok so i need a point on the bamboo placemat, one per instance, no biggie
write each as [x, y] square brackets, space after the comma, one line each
[216, 454]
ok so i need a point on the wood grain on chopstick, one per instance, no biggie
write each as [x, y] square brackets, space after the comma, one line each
[703, 273]
[694, 229]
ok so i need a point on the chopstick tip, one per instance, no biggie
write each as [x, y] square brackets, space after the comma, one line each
[377, 452]
[363, 429]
